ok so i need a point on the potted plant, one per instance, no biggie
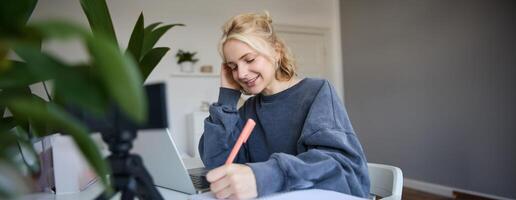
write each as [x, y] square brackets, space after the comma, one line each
[110, 76]
[186, 60]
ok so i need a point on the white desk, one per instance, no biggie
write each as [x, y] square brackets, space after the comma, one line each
[96, 188]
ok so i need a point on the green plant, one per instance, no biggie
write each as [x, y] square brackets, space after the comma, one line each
[186, 56]
[109, 76]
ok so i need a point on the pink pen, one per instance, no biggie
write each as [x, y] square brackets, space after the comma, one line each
[244, 135]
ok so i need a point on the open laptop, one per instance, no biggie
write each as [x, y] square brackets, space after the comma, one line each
[163, 161]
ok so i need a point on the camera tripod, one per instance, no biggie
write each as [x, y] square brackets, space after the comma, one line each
[129, 175]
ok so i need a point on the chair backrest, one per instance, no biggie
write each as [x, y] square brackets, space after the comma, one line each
[386, 181]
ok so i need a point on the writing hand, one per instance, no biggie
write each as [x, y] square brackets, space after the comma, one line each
[235, 181]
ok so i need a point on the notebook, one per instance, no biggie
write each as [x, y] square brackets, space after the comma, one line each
[298, 194]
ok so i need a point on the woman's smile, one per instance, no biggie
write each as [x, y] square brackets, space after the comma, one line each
[252, 82]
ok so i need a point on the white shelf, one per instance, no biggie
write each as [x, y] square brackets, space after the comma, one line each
[193, 74]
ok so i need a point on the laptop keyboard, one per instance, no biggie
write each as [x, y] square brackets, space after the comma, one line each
[199, 181]
[198, 176]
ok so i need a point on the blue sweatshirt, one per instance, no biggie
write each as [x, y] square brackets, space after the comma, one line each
[302, 139]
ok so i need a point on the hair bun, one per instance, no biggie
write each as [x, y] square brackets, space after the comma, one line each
[267, 16]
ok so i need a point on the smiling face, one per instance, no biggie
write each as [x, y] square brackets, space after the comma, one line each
[252, 70]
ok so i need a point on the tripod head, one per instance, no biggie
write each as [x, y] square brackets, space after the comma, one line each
[129, 175]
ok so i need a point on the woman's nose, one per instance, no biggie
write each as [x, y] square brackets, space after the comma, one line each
[242, 72]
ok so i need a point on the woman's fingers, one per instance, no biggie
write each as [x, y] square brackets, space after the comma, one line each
[224, 193]
[217, 173]
[226, 78]
[219, 185]
[233, 181]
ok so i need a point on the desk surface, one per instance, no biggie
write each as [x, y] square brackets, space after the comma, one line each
[96, 188]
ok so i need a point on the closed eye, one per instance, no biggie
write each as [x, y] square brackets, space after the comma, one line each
[249, 61]
[232, 66]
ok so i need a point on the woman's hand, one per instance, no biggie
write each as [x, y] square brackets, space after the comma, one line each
[226, 78]
[235, 181]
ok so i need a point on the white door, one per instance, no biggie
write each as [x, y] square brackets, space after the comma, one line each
[309, 46]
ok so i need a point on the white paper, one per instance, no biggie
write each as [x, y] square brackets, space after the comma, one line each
[299, 194]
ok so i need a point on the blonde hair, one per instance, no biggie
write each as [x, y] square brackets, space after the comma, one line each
[255, 30]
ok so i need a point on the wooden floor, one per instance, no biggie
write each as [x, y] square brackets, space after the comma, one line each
[411, 194]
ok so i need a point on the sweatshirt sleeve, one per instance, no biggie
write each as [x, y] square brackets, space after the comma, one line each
[329, 154]
[221, 130]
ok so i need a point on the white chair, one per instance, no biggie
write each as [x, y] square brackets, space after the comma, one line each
[386, 181]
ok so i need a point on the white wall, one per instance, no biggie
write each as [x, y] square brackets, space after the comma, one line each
[204, 20]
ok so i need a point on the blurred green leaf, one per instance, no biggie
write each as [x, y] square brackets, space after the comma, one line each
[32, 37]
[29, 155]
[19, 74]
[38, 129]
[99, 18]
[5, 94]
[2, 108]
[7, 139]
[83, 86]
[59, 30]
[151, 59]
[7, 124]
[4, 51]
[135, 43]
[146, 32]
[54, 116]
[21, 134]
[11, 152]
[19, 119]
[80, 86]
[38, 63]
[18, 92]
[14, 14]
[152, 36]
[151, 27]
[120, 75]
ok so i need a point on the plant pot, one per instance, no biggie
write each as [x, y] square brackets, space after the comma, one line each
[187, 67]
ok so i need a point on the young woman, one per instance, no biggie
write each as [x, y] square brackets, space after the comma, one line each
[302, 139]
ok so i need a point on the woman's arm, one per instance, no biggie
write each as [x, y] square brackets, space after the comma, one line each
[221, 129]
[223, 125]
